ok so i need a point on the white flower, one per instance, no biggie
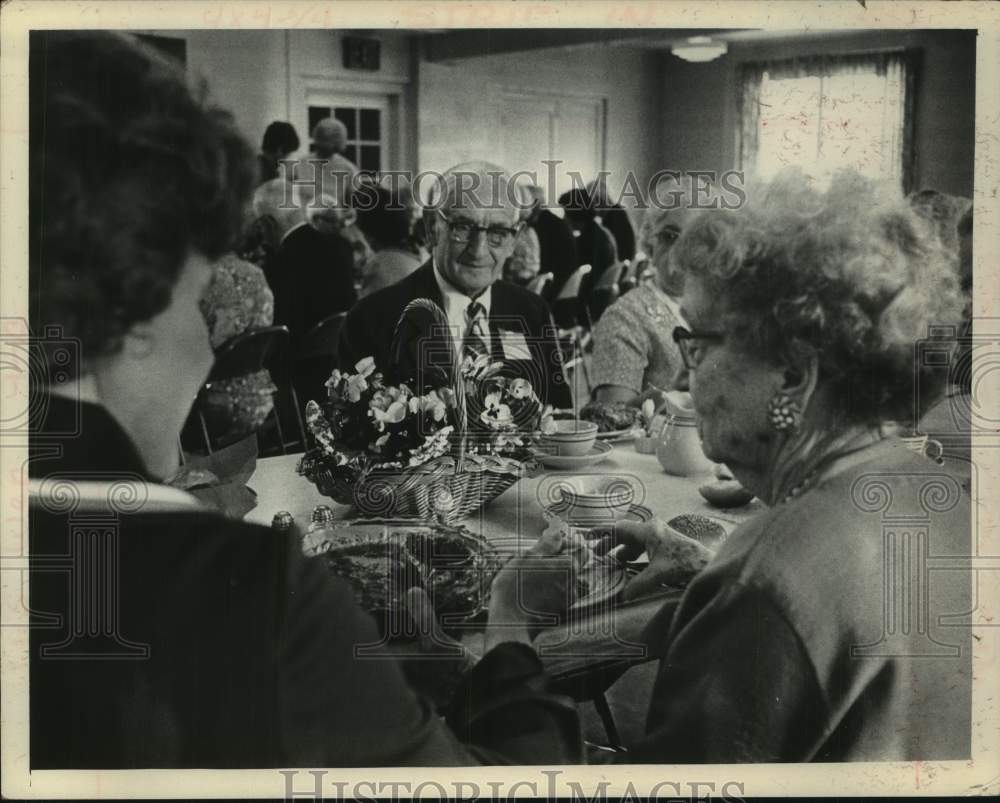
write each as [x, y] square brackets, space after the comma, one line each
[521, 389]
[333, 382]
[379, 401]
[381, 442]
[395, 413]
[431, 403]
[648, 410]
[433, 447]
[496, 414]
[503, 441]
[480, 367]
[356, 385]
[548, 423]
[365, 366]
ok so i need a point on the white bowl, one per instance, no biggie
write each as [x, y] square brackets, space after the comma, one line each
[571, 438]
[597, 498]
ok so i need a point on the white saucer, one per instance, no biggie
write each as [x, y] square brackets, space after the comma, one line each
[638, 513]
[562, 463]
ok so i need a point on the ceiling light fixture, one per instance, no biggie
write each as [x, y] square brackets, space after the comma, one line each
[699, 49]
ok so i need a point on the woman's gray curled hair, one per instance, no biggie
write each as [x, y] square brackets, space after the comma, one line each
[849, 274]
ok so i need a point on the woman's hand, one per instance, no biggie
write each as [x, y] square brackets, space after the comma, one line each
[534, 589]
[432, 639]
[673, 557]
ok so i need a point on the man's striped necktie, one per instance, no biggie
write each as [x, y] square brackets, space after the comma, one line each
[475, 343]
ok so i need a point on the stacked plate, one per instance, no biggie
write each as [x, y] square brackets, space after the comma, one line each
[598, 452]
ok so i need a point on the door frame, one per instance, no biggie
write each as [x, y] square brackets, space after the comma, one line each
[395, 91]
[502, 92]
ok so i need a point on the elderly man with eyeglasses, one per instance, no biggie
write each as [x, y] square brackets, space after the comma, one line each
[472, 225]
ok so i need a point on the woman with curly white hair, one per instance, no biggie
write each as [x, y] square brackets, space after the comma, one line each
[816, 632]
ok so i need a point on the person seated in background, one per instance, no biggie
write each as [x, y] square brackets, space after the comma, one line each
[312, 273]
[280, 142]
[336, 222]
[226, 647]
[635, 356]
[385, 220]
[556, 243]
[237, 300]
[595, 246]
[614, 218]
[524, 263]
[259, 241]
[950, 219]
[471, 233]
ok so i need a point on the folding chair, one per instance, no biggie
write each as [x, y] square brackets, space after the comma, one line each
[566, 306]
[316, 356]
[604, 293]
[540, 283]
[627, 281]
[321, 340]
[247, 353]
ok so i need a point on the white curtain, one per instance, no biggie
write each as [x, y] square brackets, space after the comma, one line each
[828, 112]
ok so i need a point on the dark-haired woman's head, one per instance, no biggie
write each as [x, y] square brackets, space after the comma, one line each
[280, 139]
[386, 219]
[137, 185]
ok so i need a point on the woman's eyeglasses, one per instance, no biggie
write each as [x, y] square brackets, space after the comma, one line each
[688, 343]
[460, 231]
[667, 237]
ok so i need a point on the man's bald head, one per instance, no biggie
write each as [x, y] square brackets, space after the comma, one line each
[329, 136]
[480, 185]
[473, 217]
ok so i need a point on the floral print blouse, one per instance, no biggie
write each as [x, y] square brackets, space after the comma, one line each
[238, 299]
[633, 341]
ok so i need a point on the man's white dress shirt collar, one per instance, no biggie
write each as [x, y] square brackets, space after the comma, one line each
[455, 305]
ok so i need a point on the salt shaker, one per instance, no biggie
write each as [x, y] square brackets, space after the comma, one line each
[322, 518]
[282, 521]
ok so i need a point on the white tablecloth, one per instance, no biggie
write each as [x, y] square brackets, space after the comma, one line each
[518, 511]
[608, 636]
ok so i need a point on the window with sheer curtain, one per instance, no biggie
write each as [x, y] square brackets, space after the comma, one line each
[828, 112]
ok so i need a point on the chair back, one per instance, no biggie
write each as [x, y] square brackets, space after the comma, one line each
[247, 353]
[627, 281]
[252, 351]
[609, 279]
[539, 284]
[321, 340]
[571, 288]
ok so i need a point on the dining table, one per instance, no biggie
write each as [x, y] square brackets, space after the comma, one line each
[589, 651]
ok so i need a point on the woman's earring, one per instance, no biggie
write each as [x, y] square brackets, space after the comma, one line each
[784, 411]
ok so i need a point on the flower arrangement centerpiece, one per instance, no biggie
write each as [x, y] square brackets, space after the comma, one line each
[440, 454]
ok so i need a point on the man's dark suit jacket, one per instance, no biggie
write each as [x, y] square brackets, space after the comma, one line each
[220, 646]
[516, 315]
[312, 277]
[557, 247]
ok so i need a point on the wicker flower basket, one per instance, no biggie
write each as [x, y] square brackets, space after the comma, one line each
[445, 489]
[437, 490]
